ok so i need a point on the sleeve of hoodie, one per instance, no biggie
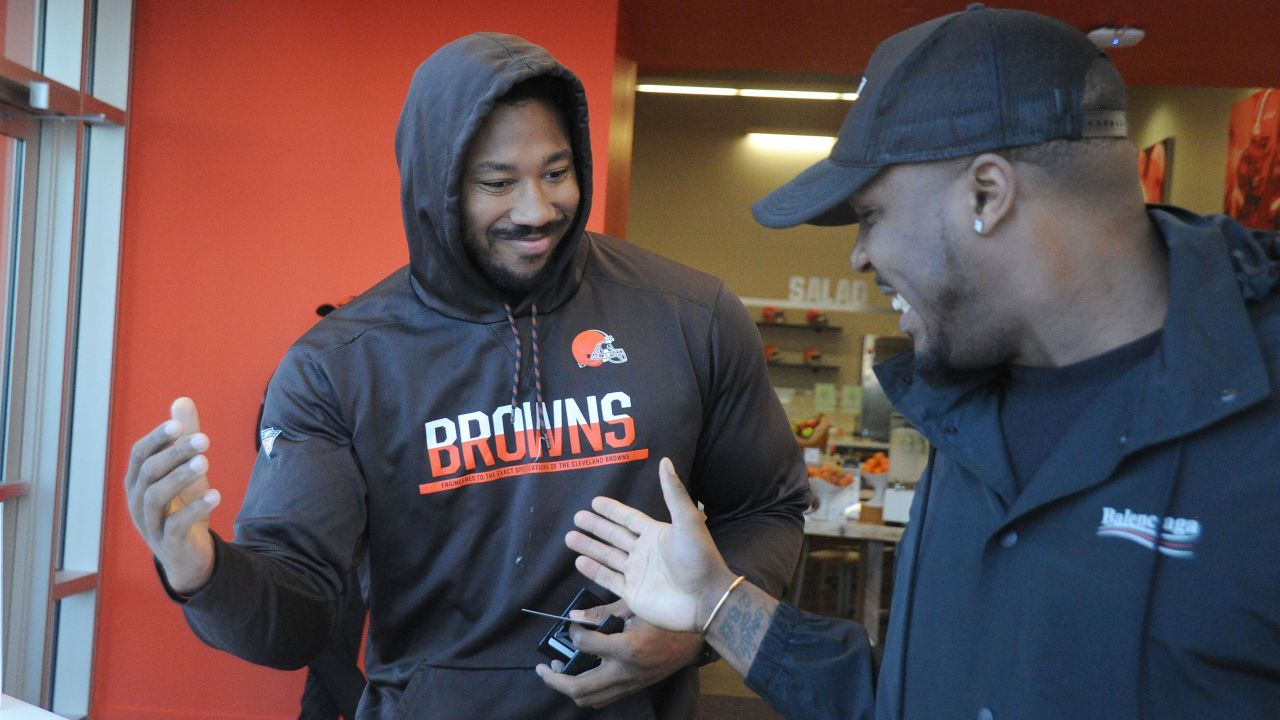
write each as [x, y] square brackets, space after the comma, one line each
[748, 471]
[274, 592]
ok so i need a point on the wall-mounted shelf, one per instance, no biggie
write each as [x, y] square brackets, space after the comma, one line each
[802, 326]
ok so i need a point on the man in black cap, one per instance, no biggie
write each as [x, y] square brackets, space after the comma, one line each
[1101, 384]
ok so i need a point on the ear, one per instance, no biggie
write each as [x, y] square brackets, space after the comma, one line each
[992, 190]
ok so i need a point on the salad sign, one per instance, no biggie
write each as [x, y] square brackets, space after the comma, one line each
[827, 293]
[815, 292]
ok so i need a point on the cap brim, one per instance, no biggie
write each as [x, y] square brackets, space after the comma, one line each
[816, 196]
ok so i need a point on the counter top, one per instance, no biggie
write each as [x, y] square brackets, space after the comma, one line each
[853, 529]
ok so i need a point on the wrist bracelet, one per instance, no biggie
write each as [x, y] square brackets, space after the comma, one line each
[723, 597]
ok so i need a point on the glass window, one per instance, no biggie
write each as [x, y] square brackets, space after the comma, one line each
[95, 346]
[63, 41]
[61, 187]
[111, 51]
[74, 655]
[34, 430]
[21, 38]
[10, 195]
[11, 180]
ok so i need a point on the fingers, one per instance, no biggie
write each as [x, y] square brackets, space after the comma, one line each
[183, 420]
[166, 460]
[180, 523]
[602, 528]
[610, 532]
[618, 608]
[184, 411]
[683, 511]
[158, 469]
[150, 444]
[599, 574]
[552, 678]
[169, 459]
[598, 613]
[157, 497]
[591, 688]
[624, 515]
[185, 548]
[682, 508]
[597, 643]
[607, 555]
[593, 614]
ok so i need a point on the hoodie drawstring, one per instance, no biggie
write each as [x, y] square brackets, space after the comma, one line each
[539, 430]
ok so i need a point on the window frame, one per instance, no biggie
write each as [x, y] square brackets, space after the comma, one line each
[61, 328]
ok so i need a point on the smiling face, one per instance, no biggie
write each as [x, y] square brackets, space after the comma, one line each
[519, 193]
[913, 235]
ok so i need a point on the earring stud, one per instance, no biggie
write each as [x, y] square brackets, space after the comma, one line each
[978, 226]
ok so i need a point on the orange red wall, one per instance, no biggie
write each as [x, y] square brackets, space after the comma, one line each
[261, 183]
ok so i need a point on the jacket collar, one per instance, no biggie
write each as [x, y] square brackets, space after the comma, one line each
[1209, 366]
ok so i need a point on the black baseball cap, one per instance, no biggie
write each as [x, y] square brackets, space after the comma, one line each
[961, 84]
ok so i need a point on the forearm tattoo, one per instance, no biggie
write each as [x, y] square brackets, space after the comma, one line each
[744, 625]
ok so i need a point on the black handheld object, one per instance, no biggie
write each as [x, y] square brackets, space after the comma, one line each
[557, 645]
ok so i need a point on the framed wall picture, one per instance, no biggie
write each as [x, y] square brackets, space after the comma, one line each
[1155, 166]
[1253, 161]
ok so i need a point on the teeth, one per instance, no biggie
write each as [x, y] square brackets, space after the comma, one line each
[901, 305]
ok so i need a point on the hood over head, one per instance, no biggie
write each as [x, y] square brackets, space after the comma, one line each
[451, 94]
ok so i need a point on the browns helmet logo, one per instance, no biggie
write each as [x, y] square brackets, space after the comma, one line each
[593, 348]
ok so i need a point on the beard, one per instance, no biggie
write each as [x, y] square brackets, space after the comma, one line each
[509, 280]
[933, 361]
[943, 360]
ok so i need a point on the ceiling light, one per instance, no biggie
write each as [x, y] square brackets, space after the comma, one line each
[747, 92]
[1108, 37]
[789, 94]
[686, 90]
[791, 143]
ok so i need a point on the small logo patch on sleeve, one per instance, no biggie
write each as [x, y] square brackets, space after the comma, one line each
[269, 436]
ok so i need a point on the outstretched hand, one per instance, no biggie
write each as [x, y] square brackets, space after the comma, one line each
[170, 497]
[670, 575]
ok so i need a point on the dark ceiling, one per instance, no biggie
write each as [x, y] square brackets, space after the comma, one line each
[1189, 43]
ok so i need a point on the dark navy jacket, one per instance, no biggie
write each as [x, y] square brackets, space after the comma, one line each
[1135, 577]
